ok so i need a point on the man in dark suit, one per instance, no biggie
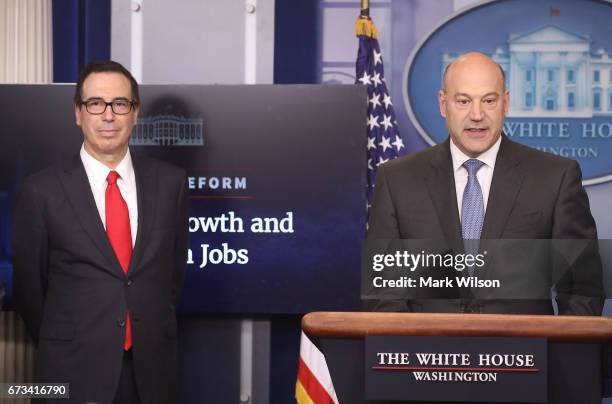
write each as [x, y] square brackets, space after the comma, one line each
[100, 255]
[478, 184]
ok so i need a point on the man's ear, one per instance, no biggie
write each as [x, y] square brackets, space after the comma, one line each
[77, 114]
[136, 113]
[442, 102]
[506, 101]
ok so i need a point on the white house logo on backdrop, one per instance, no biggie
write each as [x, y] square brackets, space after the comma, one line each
[558, 69]
[553, 73]
[168, 130]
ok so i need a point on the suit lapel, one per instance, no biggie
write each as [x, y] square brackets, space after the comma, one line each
[506, 182]
[441, 185]
[78, 191]
[146, 189]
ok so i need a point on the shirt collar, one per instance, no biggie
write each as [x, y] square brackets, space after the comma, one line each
[488, 157]
[97, 172]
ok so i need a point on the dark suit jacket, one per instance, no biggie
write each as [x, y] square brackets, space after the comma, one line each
[73, 295]
[533, 195]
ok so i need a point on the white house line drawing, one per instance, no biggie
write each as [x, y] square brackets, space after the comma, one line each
[551, 72]
[168, 130]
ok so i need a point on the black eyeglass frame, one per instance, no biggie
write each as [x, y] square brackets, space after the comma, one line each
[130, 102]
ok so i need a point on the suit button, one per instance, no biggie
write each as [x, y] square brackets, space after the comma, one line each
[128, 282]
[121, 323]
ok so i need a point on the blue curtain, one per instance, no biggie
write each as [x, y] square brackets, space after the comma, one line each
[296, 42]
[81, 33]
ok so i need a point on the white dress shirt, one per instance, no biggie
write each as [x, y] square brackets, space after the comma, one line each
[484, 174]
[97, 173]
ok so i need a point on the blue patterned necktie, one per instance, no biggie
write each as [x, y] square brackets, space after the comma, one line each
[472, 209]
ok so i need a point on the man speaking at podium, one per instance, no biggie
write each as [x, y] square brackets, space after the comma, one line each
[479, 184]
[100, 255]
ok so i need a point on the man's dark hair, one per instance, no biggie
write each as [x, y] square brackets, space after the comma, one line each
[107, 66]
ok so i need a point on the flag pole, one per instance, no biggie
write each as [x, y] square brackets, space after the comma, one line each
[365, 8]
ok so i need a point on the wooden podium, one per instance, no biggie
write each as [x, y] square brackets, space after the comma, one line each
[575, 345]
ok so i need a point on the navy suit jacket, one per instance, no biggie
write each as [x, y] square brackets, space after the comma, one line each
[534, 195]
[73, 294]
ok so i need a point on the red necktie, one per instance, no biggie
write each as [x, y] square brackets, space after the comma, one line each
[120, 235]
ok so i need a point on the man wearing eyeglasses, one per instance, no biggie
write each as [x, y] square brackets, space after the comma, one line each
[100, 255]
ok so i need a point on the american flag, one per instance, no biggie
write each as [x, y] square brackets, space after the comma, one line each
[384, 142]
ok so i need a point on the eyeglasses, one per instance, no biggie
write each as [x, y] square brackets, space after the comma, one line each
[119, 106]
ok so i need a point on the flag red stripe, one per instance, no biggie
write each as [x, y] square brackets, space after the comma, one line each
[312, 386]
